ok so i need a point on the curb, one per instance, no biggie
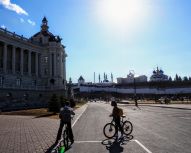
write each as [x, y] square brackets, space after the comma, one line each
[167, 107]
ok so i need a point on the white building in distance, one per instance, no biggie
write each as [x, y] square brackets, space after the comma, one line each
[158, 75]
[131, 78]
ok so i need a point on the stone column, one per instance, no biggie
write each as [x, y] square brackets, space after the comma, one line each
[36, 63]
[5, 58]
[21, 63]
[13, 60]
[39, 65]
[29, 62]
[55, 61]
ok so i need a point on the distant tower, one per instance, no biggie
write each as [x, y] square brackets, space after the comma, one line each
[99, 78]
[104, 76]
[70, 80]
[94, 77]
[44, 26]
[111, 77]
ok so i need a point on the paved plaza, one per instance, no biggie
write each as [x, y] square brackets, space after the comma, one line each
[27, 134]
[156, 130]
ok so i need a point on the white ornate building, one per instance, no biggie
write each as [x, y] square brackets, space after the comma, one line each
[158, 75]
[37, 63]
[131, 78]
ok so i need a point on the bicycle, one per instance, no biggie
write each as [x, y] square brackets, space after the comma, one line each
[64, 143]
[66, 139]
[110, 130]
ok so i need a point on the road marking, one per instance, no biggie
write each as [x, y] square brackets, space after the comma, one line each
[87, 141]
[187, 118]
[147, 150]
[79, 116]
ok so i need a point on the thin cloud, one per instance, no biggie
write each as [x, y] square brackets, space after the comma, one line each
[3, 26]
[13, 7]
[22, 20]
[31, 22]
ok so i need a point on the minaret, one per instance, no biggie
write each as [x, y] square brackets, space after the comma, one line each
[94, 77]
[44, 26]
[99, 78]
[111, 77]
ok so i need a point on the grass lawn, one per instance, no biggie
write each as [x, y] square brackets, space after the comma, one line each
[42, 112]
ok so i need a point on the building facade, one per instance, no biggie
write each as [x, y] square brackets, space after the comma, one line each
[131, 78]
[158, 75]
[37, 63]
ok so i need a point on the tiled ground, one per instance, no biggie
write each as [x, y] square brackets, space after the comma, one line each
[26, 134]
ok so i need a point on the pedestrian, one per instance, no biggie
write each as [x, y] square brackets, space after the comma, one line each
[65, 116]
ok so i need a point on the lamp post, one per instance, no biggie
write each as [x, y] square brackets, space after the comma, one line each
[134, 85]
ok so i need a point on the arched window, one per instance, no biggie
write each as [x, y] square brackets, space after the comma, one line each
[18, 82]
[40, 40]
[1, 80]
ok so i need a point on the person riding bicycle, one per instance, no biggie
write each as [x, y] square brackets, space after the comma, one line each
[117, 113]
[65, 118]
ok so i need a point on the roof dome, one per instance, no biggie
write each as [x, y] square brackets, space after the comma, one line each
[81, 78]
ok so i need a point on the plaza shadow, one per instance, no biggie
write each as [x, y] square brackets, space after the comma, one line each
[115, 144]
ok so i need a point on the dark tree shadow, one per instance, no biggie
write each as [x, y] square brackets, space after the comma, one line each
[45, 115]
[115, 145]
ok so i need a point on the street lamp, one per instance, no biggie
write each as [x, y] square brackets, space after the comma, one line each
[134, 85]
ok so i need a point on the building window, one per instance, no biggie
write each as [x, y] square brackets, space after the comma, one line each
[46, 59]
[34, 82]
[1, 80]
[45, 71]
[62, 58]
[40, 40]
[18, 82]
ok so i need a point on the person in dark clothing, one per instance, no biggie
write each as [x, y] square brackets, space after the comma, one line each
[65, 118]
[117, 113]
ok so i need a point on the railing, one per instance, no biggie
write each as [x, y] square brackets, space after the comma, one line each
[44, 88]
[13, 34]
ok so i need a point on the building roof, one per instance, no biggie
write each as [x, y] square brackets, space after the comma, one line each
[81, 78]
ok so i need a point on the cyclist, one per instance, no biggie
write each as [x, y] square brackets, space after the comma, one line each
[117, 113]
[65, 118]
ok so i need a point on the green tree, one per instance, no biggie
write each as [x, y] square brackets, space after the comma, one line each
[54, 104]
[170, 79]
[63, 100]
[185, 79]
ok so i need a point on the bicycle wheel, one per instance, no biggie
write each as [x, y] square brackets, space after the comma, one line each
[127, 127]
[66, 139]
[109, 130]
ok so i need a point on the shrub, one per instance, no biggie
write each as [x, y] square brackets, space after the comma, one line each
[54, 104]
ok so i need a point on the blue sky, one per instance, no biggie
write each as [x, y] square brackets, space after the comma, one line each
[110, 35]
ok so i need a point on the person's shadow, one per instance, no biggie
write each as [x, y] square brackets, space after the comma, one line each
[50, 149]
[115, 145]
[55, 146]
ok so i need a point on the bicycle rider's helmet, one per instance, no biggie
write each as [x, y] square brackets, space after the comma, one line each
[113, 103]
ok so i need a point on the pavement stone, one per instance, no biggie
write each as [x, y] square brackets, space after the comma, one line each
[27, 134]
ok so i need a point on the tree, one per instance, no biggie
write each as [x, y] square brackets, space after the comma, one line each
[179, 79]
[189, 79]
[176, 77]
[52, 81]
[54, 104]
[185, 79]
[169, 79]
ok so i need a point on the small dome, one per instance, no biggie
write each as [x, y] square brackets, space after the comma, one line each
[44, 19]
[81, 78]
